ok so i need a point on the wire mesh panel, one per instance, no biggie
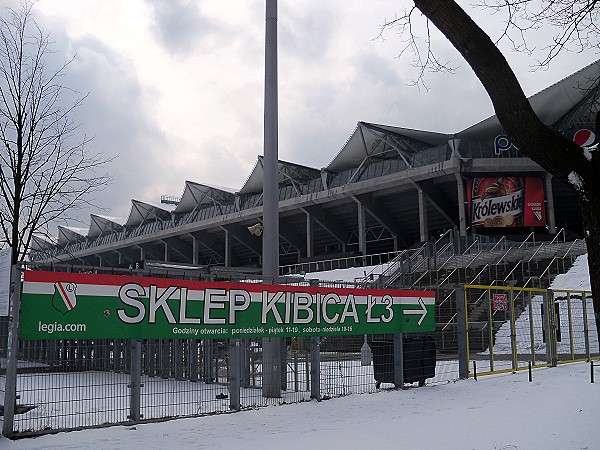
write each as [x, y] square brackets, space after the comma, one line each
[505, 327]
[69, 384]
[294, 372]
[510, 328]
[576, 334]
[182, 378]
[342, 370]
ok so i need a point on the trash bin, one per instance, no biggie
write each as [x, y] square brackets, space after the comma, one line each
[419, 360]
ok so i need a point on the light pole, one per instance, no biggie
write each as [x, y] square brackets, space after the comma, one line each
[271, 382]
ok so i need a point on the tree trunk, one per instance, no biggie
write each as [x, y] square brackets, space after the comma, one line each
[590, 210]
[555, 153]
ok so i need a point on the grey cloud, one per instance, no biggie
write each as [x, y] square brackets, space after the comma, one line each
[114, 115]
[179, 25]
[306, 35]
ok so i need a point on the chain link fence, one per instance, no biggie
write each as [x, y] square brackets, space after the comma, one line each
[67, 384]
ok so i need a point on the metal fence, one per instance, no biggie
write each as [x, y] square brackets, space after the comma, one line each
[509, 328]
[82, 383]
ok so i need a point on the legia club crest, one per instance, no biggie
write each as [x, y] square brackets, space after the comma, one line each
[64, 298]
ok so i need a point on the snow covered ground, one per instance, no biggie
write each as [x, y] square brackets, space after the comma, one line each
[558, 410]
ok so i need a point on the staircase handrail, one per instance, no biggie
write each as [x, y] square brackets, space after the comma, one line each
[479, 274]
[449, 230]
[547, 269]
[395, 274]
[503, 238]
[505, 253]
[473, 259]
[475, 241]
[390, 263]
[536, 251]
[441, 283]
[561, 231]
[532, 236]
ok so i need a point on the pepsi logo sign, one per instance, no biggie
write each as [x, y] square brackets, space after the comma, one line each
[584, 138]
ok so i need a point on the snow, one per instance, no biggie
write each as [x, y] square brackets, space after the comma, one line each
[575, 180]
[558, 409]
[587, 151]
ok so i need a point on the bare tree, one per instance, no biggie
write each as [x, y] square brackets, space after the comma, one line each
[577, 21]
[44, 169]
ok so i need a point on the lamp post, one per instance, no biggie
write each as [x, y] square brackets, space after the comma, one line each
[271, 382]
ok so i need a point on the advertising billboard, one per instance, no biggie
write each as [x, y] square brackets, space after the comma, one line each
[58, 305]
[506, 201]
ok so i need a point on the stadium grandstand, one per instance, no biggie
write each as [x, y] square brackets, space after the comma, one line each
[388, 189]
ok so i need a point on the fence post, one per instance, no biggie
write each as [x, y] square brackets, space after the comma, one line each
[315, 368]
[462, 333]
[135, 384]
[10, 385]
[399, 361]
[235, 365]
[552, 330]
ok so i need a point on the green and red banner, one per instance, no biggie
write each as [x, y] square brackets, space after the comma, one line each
[59, 305]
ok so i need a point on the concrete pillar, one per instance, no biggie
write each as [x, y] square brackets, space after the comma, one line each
[550, 204]
[227, 249]
[423, 225]
[194, 250]
[310, 244]
[462, 216]
[362, 230]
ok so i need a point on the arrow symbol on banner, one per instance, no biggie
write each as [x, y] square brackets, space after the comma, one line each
[422, 311]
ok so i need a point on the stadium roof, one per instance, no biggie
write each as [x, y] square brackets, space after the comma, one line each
[103, 224]
[70, 234]
[196, 194]
[371, 140]
[550, 104]
[144, 211]
[286, 171]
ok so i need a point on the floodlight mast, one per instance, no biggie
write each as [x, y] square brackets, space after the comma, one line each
[272, 375]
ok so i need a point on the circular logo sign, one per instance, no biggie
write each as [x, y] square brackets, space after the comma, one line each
[584, 138]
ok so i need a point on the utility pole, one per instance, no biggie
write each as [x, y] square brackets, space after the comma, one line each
[271, 381]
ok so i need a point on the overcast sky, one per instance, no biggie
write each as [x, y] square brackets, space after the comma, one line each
[176, 86]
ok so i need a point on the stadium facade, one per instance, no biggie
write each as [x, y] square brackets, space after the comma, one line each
[387, 189]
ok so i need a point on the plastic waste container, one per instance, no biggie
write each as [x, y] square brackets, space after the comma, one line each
[419, 360]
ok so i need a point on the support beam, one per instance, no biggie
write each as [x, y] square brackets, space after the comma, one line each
[550, 218]
[379, 212]
[462, 216]
[439, 201]
[310, 241]
[332, 227]
[240, 233]
[227, 246]
[209, 241]
[362, 229]
[182, 248]
[423, 225]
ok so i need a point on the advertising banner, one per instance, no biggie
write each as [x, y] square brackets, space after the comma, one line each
[58, 305]
[497, 202]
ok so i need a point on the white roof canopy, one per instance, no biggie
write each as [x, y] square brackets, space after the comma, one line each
[143, 211]
[369, 140]
[103, 224]
[196, 194]
[70, 234]
[285, 171]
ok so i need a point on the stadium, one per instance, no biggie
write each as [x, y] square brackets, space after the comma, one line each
[388, 189]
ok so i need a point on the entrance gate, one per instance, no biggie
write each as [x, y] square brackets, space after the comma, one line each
[509, 328]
